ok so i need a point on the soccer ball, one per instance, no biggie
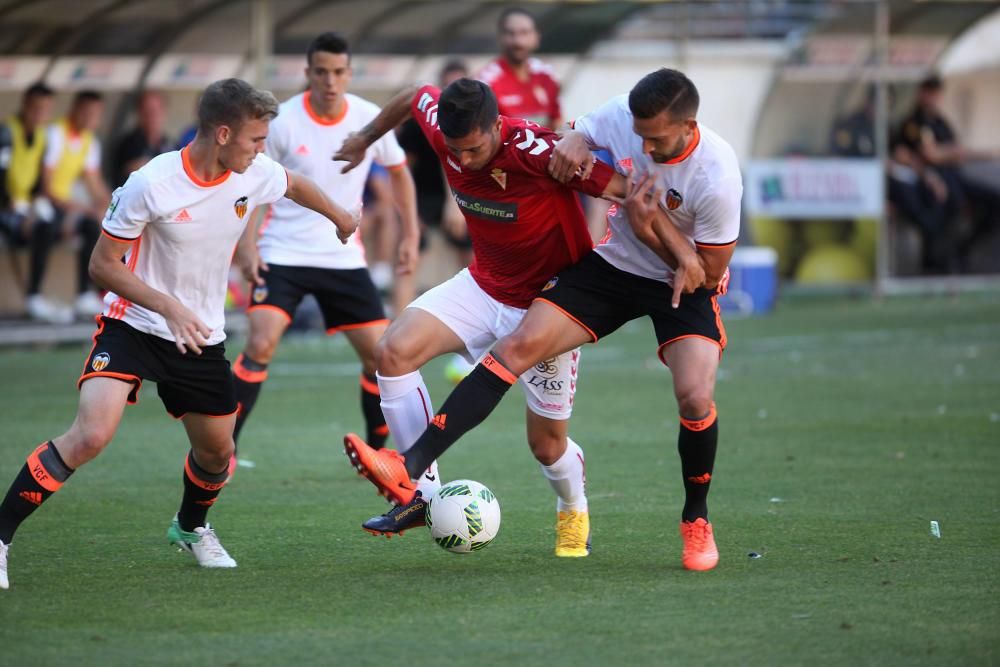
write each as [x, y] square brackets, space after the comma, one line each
[463, 516]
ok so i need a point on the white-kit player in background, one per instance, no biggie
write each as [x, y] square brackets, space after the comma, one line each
[167, 241]
[298, 252]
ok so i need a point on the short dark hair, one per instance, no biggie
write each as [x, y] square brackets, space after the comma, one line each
[87, 96]
[232, 101]
[454, 65]
[328, 42]
[38, 89]
[466, 105]
[512, 11]
[932, 82]
[664, 90]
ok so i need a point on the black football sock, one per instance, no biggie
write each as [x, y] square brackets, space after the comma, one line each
[201, 488]
[466, 407]
[249, 376]
[376, 429]
[696, 444]
[40, 477]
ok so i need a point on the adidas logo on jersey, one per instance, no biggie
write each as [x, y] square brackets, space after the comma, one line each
[302, 150]
[183, 216]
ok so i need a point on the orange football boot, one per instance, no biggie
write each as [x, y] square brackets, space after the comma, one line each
[383, 467]
[700, 552]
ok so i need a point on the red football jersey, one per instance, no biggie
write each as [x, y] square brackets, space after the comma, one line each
[536, 99]
[524, 225]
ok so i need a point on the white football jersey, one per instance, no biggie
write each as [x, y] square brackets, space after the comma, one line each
[703, 188]
[305, 143]
[185, 232]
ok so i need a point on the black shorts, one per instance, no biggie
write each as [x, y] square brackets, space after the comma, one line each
[601, 298]
[186, 383]
[347, 298]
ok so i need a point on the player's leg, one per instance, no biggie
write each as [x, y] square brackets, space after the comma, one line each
[207, 467]
[102, 402]
[693, 338]
[364, 340]
[200, 390]
[562, 464]
[544, 332]
[575, 308]
[270, 313]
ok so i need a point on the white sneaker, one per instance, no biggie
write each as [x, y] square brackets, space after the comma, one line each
[88, 305]
[42, 309]
[4, 581]
[203, 543]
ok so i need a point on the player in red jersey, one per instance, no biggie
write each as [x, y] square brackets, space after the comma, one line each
[524, 85]
[524, 226]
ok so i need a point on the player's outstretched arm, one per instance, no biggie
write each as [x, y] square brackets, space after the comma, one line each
[108, 271]
[395, 113]
[304, 192]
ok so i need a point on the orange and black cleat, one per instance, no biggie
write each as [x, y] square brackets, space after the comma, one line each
[383, 467]
[700, 552]
[399, 519]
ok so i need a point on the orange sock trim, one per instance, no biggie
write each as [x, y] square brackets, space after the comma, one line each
[247, 375]
[369, 386]
[40, 473]
[382, 430]
[208, 486]
[700, 424]
[493, 365]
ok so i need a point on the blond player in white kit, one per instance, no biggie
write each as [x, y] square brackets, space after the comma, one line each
[693, 174]
[164, 255]
[299, 253]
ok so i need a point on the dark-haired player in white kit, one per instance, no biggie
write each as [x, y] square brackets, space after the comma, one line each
[298, 251]
[692, 173]
[175, 222]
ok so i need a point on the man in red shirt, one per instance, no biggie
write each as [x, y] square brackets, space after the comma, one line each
[525, 226]
[524, 86]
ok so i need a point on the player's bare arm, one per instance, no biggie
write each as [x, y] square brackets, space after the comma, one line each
[393, 114]
[715, 261]
[653, 228]
[247, 256]
[404, 194]
[108, 271]
[304, 192]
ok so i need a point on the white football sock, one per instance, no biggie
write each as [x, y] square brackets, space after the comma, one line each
[406, 405]
[568, 478]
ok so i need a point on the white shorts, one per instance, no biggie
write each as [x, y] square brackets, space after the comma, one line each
[480, 320]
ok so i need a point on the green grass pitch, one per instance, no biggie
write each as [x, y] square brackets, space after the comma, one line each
[846, 428]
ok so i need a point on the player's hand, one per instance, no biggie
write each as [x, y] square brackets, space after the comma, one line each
[641, 199]
[190, 333]
[571, 156]
[352, 151]
[344, 232]
[251, 264]
[408, 254]
[689, 276]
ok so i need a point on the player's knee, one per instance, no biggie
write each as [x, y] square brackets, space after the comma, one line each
[216, 456]
[90, 441]
[519, 350]
[260, 347]
[547, 447]
[393, 356]
[694, 404]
